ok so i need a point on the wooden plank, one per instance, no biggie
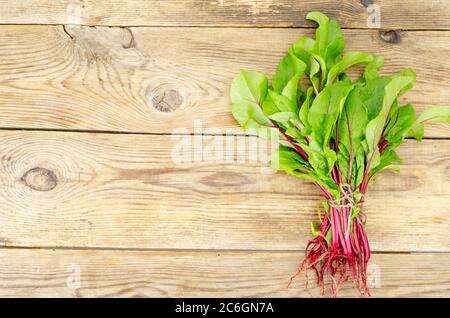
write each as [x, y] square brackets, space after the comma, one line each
[68, 273]
[114, 190]
[159, 79]
[397, 14]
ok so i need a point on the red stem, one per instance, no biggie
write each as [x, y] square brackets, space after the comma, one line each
[296, 147]
[325, 192]
[338, 227]
[355, 241]
[365, 242]
[335, 237]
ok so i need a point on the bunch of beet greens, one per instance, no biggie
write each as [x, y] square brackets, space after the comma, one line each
[336, 132]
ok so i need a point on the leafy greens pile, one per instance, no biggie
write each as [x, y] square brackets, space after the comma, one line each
[334, 131]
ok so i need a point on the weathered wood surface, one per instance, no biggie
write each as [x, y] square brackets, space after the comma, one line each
[169, 66]
[158, 79]
[114, 190]
[62, 273]
[395, 14]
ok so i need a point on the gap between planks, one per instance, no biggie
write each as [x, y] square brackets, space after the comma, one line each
[137, 133]
[196, 250]
[431, 14]
[215, 27]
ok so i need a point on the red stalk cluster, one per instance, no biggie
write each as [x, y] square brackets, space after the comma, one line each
[347, 253]
[348, 250]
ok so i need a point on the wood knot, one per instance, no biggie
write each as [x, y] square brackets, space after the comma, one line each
[167, 101]
[132, 42]
[366, 3]
[391, 36]
[40, 179]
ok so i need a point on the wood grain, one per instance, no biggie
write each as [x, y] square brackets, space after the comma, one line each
[114, 190]
[397, 14]
[47, 273]
[109, 204]
[159, 79]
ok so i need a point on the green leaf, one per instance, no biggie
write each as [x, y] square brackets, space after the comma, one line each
[358, 168]
[322, 159]
[314, 76]
[353, 122]
[288, 160]
[384, 90]
[387, 161]
[416, 131]
[269, 106]
[371, 71]
[392, 118]
[321, 116]
[436, 114]
[348, 60]
[303, 50]
[290, 69]
[283, 118]
[329, 41]
[343, 160]
[248, 89]
[293, 132]
[283, 103]
[404, 120]
[372, 95]
[409, 76]
[395, 88]
[304, 109]
[291, 88]
[316, 66]
[325, 110]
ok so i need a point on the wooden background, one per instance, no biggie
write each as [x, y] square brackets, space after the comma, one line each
[90, 93]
